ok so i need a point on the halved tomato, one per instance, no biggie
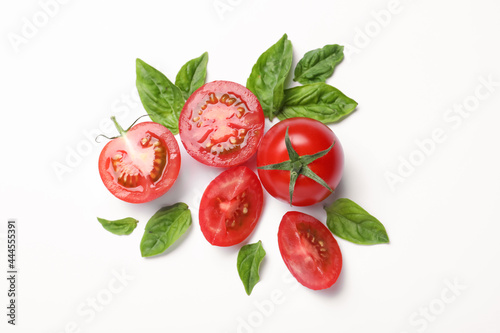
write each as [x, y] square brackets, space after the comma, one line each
[230, 206]
[309, 250]
[221, 124]
[141, 164]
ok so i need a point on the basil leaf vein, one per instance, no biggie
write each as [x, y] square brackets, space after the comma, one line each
[119, 227]
[318, 65]
[349, 221]
[164, 228]
[319, 101]
[250, 257]
[192, 75]
[162, 99]
[267, 79]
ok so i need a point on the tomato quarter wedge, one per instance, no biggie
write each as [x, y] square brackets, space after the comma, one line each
[309, 250]
[221, 124]
[141, 164]
[230, 206]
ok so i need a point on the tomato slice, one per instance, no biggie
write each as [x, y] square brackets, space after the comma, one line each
[230, 206]
[221, 124]
[309, 250]
[142, 164]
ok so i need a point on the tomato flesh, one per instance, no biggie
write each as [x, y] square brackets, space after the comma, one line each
[221, 124]
[142, 164]
[309, 250]
[231, 206]
[308, 136]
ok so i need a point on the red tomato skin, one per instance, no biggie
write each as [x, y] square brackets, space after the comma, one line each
[226, 188]
[308, 136]
[253, 121]
[311, 267]
[152, 190]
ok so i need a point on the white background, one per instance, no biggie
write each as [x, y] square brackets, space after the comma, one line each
[409, 65]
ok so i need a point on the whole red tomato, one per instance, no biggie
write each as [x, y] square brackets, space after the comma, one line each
[315, 166]
[141, 164]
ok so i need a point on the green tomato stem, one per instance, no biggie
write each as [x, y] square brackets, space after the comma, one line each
[118, 127]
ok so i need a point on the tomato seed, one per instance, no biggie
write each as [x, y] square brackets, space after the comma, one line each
[212, 98]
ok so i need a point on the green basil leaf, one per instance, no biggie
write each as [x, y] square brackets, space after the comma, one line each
[161, 98]
[164, 228]
[318, 65]
[319, 101]
[249, 258]
[349, 221]
[267, 80]
[192, 75]
[119, 227]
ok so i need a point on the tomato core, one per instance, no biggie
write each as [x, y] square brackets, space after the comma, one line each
[141, 165]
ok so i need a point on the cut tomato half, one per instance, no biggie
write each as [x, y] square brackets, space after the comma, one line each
[221, 124]
[230, 206]
[141, 164]
[309, 250]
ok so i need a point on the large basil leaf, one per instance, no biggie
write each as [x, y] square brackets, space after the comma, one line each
[249, 259]
[349, 221]
[267, 79]
[161, 98]
[318, 65]
[319, 101]
[192, 75]
[119, 227]
[164, 228]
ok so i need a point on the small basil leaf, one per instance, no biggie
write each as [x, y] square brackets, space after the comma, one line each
[161, 98]
[249, 258]
[164, 228]
[267, 79]
[192, 75]
[119, 227]
[349, 221]
[318, 65]
[319, 101]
